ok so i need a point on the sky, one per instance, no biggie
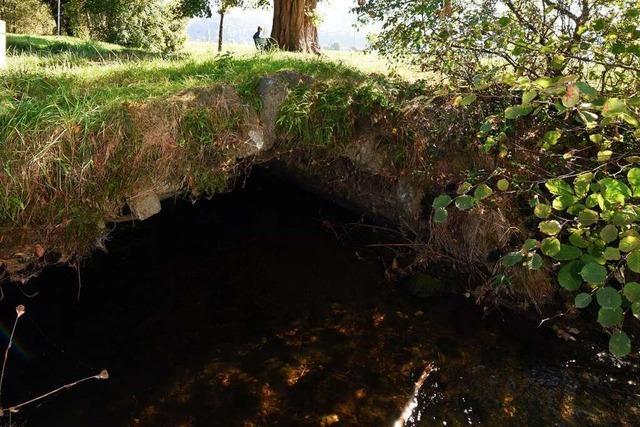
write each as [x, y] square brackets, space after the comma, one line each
[337, 26]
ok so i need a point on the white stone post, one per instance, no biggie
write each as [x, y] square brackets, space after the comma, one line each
[3, 45]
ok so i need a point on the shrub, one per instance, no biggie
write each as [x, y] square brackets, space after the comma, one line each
[27, 17]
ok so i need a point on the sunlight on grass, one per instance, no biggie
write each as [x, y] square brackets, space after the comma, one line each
[29, 54]
[363, 61]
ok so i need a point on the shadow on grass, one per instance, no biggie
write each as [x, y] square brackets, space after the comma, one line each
[18, 44]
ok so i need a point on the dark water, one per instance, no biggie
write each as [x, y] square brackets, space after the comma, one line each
[258, 309]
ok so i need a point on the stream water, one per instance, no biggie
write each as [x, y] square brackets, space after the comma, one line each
[257, 309]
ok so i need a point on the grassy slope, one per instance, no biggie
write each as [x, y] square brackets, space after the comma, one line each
[83, 125]
[64, 102]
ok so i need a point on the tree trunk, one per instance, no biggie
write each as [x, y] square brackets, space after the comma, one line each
[294, 27]
[220, 31]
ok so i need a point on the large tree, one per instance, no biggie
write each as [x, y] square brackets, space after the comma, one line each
[294, 25]
[294, 21]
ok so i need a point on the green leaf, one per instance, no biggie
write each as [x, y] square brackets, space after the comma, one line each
[632, 160]
[620, 344]
[633, 261]
[465, 202]
[609, 233]
[578, 241]
[582, 300]
[596, 138]
[593, 200]
[581, 184]
[620, 219]
[635, 309]
[464, 188]
[550, 246]
[594, 273]
[529, 244]
[604, 156]
[632, 291]
[504, 21]
[482, 191]
[529, 96]
[551, 138]
[517, 111]
[608, 297]
[569, 276]
[568, 253]
[608, 317]
[440, 215]
[612, 254]
[542, 211]
[535, 262]
[613, 107]
[614, 191]
[562, 203]
[589, 118]
[630, 119]
[558, 187]
[512, 259]
[576, 209]
[503, 185]
[442, 201]
[587, 89]
[633, 176]
[551, 228]
[572, 97]
[545, 82]
[629, 243]
[468, 100]
[588, 217]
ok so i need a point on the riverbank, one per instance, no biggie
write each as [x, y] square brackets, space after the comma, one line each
[96, 135]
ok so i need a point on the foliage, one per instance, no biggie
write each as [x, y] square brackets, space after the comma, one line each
[326, 113]
[26, 16]
[530, 38]
[563, 79]
[205, 8]
[148, 24]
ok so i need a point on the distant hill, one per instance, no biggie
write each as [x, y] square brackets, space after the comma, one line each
[240, 25]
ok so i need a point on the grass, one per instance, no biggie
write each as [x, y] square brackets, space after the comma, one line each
[365, 62]
[86, 127]
[92, 76]
[76, 115]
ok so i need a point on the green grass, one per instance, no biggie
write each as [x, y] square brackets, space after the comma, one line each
[363, 61]
[89, 77]
[50, 46]
[68, 104]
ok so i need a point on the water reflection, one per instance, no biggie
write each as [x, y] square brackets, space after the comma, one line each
[247, 311]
